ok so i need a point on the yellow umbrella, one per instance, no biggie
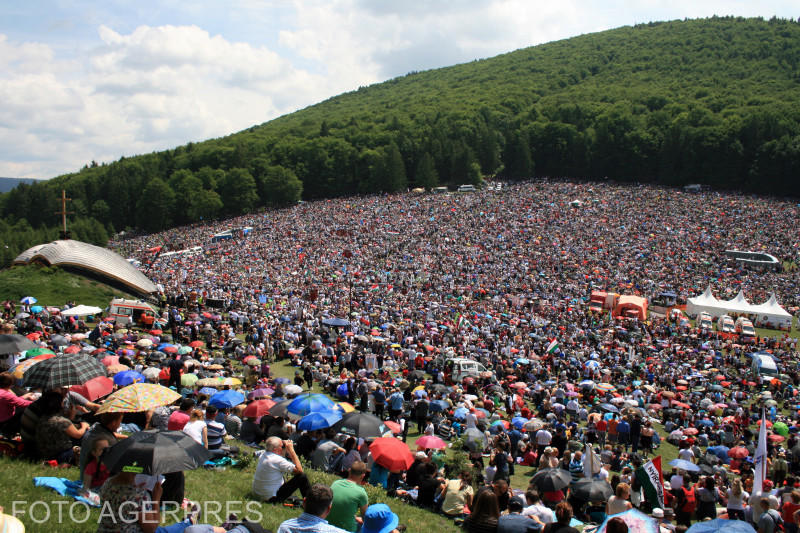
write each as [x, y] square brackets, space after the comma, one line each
[346, 407]
[187, 380]
[137, 398]
[420, 387]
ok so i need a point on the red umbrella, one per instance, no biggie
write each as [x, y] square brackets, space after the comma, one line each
[196, 344]
[73, 348]
[738, 452]
[690, 431]
[391, 453]
[393, 426]
[156, 332]
[110, 360]
[775, 438]
[258, 408]
[170, 349]
[681, 404]
[95, 388]
[34, 336]
[431, 441]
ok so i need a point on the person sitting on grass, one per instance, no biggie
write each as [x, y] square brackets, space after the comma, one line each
[316, 507]
[96, 472]
[268, 481]
[349, 498]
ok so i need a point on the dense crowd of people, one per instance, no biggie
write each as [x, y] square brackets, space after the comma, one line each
[462, 320]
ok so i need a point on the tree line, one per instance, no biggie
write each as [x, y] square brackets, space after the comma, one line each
[707, 101]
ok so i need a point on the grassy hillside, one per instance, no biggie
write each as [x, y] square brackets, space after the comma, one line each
[54, 286]
[709, 101]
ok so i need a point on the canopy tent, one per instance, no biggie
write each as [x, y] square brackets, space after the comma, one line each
[629, 306]
[769, 313]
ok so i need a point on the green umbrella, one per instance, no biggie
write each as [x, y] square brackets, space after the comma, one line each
[780, 428]
[183, 350]
[188, 380]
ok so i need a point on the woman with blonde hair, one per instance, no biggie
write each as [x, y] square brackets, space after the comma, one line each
[619, 503]
[196, 428]
[737, 497]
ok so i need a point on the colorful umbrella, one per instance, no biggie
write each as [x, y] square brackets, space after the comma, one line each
[636, 520]
[605, 387]
[28, 300]
[137, 398]
[63, 371]
[346, 407]
[19, 370]
[392, 454]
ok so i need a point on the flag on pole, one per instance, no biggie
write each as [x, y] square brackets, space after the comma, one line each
[552, 347]
[591, 464]
[760, 458]
[652, 481]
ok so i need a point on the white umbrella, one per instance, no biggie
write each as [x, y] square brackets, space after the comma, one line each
[82, 310]
[292, 389]
[151, 373]
[144, 343]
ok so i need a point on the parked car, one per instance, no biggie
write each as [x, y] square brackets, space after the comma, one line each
[725, 324]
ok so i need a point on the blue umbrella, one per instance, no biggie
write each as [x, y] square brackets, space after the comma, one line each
[704, 422]
[420, 393]
[37, 309]
[460, 413]
[523, 361]
[226, 399]
[438, 405]
[587, 384]
[684, 465]
[282, 380]
[342, 390]
[128, 377]
[336, 322]
[319, 420]
[208, 390]
[165, 345]
[721, 452]
[720, 524]
[636, 521]
[28, 300]
[518, 421]
[310, 403]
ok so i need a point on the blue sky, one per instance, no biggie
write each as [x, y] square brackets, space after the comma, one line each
[85, 80]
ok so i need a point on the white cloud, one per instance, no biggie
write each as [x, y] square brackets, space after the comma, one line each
[158, 75]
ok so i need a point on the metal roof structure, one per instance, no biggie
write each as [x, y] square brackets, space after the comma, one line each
[91, 259]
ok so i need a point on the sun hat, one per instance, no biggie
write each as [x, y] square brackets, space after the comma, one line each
[379, 518]
[658, 512]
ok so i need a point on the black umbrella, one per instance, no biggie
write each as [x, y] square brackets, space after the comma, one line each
[279, 409]
[156, 452]
[439, 387]
[416, 374]
[551, 479]
[59, 340]
[63, 371]
[15, 343]
[361, 425]
[475, 439]
[592, 490]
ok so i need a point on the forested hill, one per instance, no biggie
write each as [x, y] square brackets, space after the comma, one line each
[710, 101]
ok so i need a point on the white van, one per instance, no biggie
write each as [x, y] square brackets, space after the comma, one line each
[466, 188]
[131, 312]
[460, 368]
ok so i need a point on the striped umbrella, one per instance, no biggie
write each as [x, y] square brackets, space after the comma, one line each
[63, 371]
[137, 398]
[19, 370]
[605, 387]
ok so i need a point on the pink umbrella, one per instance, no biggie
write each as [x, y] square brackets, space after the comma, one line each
[431, 441]
[110, 360]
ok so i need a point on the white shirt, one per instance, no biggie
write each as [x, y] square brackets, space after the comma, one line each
[676, 481]
[686, 454]
[269, 474]
[472, 420]
[195, 430]
[539, 511]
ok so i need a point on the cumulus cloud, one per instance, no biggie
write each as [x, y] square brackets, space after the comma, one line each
[155, 76]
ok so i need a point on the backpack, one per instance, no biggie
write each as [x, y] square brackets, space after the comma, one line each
[689, 501]
[777, 520]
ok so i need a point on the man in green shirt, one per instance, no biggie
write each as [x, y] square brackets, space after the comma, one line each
[349, 497]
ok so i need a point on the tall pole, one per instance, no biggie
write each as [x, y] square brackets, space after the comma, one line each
[64, 213]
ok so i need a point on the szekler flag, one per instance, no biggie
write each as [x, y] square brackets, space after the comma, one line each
[552, 347]
[760, 458]
[591, 463]
[652, 481]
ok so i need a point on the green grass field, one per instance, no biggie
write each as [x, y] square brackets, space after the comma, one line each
[54, 286]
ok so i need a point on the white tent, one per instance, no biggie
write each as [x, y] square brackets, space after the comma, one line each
[82, 310]
[769, 313]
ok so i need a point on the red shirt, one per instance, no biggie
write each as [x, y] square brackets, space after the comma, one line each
[99, 475]
[177, 420]
[601, 425]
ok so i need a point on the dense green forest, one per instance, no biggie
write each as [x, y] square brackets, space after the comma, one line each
[709, 101]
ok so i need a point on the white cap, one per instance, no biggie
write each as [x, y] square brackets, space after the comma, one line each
[658, 512]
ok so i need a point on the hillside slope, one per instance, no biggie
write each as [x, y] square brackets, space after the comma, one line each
[710, 101]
